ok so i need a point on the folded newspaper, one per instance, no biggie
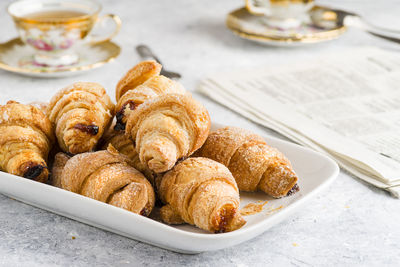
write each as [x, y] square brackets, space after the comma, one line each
[347, 106]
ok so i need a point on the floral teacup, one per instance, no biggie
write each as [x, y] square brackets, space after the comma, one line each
[281, 14]
[55, 27]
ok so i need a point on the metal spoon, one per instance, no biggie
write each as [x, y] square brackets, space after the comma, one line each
[330, 18]
[146, 53]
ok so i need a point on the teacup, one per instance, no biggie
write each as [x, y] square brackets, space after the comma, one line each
[283, 14]
[54, 28]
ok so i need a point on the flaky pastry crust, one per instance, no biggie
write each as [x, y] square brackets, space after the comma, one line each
[144, 84]
[201, 192]
[26, 137]
[167, 128]
[80, 113]
[107, 176]
[136, 76]
[254, 164]
[125, 146]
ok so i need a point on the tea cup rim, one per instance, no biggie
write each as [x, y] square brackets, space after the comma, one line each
[97, 10]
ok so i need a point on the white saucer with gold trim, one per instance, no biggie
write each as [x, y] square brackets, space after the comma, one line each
[255, 28]
[17, 57]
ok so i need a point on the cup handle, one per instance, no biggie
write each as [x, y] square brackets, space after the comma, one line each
[98, 38]
[257, 10]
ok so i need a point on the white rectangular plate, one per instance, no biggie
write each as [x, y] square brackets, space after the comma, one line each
[315, 172]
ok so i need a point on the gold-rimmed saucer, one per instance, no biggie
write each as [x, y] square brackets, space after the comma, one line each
[17, 57]
[255, 28]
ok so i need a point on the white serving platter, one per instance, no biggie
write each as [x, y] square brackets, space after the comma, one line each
[315, 171]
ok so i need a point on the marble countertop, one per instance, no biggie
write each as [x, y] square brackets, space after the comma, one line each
[349, 223]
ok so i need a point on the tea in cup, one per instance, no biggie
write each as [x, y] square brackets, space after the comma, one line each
[283, 14]
[54, 28]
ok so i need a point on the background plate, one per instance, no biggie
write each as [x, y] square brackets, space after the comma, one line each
[16, 57]
[254, 28]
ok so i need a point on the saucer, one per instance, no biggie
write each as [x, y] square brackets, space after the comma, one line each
[17, 57]
[256, 28]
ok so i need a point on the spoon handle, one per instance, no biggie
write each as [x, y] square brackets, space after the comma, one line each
[145, 52]
[387, 34]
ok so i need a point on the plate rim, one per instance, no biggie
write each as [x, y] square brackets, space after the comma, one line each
[303, 39]
[17, 41]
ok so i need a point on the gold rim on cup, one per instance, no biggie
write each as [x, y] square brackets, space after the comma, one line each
[55, 20]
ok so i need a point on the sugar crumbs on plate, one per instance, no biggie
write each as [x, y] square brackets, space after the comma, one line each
[253, 208]
[272, 210]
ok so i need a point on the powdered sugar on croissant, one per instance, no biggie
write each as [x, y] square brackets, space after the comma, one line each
[26, 137]
[201, 192]
[80, 113]
[140, 84]
[106, 176]
[125, 146]
[254, 164]
[167, 128]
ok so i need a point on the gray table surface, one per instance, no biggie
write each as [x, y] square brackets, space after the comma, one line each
[349, 223]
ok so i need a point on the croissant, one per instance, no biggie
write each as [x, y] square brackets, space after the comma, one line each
[125, 146]
[136, 76]
[80, 113]
[106, 176]
[254, 164]
[201, 192]
[26, 138]
[167, 128]
[141, 83]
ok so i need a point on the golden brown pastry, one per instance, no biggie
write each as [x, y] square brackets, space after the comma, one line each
[26, 138]
[107, 176]
[140, 84]
[254, 164]
[167, 128]
[136, 76]
[60, 160]
[125, 146]
[40, 105]
[80, 113]
[201, 192]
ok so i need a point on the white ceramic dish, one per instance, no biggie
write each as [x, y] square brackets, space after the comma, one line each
[315, 170]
